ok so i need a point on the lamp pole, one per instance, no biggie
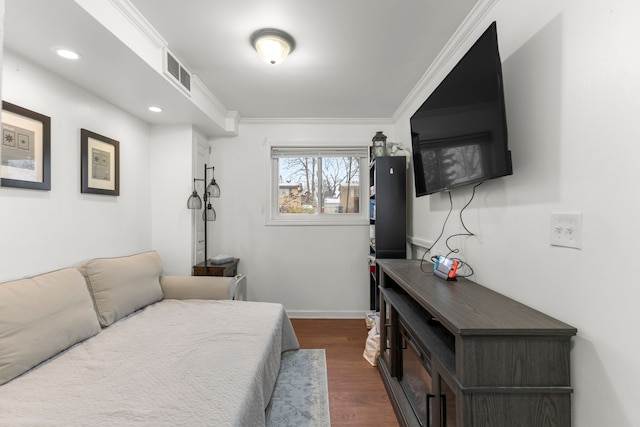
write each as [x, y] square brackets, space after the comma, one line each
[205, 197]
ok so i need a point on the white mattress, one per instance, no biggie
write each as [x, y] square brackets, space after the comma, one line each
[175, 363]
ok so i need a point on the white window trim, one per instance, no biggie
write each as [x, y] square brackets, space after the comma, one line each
[272, 214]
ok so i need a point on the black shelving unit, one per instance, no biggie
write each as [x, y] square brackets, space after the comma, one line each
[387, 215]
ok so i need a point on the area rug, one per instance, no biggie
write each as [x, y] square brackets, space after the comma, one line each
[301, 395]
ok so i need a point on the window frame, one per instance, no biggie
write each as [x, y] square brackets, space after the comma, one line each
[315, 149]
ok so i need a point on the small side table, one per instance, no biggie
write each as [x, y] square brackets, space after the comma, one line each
[229, 269]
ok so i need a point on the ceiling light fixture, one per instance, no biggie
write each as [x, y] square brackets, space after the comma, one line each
[155, 109]
[273, 45]
[66, 53]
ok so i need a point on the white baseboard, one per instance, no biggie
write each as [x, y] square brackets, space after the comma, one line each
[315, 314]
[417, 241]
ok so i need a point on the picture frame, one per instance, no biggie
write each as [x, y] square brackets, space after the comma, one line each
[99, 164]
[25, 156]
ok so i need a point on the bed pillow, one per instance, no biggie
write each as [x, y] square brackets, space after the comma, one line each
[42, 316]
[120, 286]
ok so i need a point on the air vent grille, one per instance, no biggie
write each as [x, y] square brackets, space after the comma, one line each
[176, 72]
[185, 78]
[173, 66]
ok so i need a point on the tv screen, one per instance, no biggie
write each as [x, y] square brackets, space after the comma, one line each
[459, 134]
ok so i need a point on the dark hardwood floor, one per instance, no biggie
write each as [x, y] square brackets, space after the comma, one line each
[357, 396]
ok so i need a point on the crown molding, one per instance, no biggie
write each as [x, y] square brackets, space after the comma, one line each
[136, 18]
[455, 43]
[316, 121]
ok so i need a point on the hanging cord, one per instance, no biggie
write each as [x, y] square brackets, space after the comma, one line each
[463, 264]
[444, 224]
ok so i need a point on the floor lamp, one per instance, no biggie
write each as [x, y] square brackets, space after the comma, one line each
[195, 202]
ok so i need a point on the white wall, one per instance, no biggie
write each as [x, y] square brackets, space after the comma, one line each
[171, 173]
[45, 230]
[1, 42]
[572, 83]
[314, 271]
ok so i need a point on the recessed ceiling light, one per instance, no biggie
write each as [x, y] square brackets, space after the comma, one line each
[155, 109]
[66, 53]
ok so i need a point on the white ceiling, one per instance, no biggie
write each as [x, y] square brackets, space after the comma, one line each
[353, 58]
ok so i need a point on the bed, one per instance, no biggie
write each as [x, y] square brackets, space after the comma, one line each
[172, 362]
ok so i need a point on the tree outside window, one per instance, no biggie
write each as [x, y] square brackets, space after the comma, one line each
[319, 185]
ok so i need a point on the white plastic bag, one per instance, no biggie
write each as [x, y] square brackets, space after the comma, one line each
[372, 346]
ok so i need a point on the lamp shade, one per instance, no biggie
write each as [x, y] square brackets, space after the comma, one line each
[273, 46]
[194, 202]
[209, 214]
[213, 189]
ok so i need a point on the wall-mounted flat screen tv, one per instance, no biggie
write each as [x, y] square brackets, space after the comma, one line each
[459, 134]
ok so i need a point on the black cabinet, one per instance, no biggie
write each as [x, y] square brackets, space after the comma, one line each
[387, 214]
[454, 353]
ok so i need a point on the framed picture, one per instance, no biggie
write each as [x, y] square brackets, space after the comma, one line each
[25, 156]
[99, 164]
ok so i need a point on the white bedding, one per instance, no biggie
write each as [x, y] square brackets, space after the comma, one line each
[175, 363]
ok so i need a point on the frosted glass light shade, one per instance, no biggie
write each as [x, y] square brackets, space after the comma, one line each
[272, 50]
[273, 46]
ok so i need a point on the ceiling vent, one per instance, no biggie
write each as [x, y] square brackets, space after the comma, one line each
[176, 72]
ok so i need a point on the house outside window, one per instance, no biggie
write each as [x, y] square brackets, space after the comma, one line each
[311, 185]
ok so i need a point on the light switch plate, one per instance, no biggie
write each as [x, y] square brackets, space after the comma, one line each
[566, 230]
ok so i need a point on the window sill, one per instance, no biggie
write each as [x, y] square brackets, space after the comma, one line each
[283, 220]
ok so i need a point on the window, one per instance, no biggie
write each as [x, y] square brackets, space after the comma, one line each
[312, 185]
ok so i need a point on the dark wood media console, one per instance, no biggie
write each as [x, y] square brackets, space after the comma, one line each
[455, 353]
